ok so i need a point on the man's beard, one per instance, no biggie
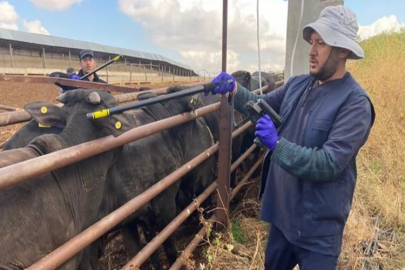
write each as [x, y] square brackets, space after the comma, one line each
[329, 68]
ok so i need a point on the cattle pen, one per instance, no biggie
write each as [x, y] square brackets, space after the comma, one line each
[16, 172]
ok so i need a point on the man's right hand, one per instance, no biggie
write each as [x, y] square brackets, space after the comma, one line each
[74, 77]
[223, 86]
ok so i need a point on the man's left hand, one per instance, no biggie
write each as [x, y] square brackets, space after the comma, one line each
[266, 130]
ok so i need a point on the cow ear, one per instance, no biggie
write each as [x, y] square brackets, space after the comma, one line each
[46, 114]
[194, 102]
[114, 125]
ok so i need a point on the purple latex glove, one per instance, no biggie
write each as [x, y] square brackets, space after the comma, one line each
[225, 87]
[74, 77]
[266, 130]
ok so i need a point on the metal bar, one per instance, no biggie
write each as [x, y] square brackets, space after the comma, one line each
[245, 155]
[144, 254]
[225, 142]
[245, 178]
[80, 241]
[7, 108]
[193, 244]
[19, 116]
[67, 82]
[186, 92]
[21, 171]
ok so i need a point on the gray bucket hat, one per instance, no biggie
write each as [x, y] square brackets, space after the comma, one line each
[338, 27]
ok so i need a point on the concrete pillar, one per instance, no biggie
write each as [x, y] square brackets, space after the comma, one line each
[70, 59]
[298, 57]
[43, 57]
[11, 55]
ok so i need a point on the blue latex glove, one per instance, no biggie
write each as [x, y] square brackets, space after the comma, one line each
[266, 130]
[74, 77]
[225, 87]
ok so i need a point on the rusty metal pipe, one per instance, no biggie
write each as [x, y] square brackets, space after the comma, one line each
[30, 168]
[7, 108]
[243, 157]
[80, 241]
[144, 254]
[245, 178]
[9, 118]
[225, 131]
[193, 244]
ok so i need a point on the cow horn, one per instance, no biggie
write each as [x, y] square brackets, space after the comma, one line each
[94, 98]
[61, 98]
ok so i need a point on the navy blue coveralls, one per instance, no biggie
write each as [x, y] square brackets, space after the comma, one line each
[309, 179]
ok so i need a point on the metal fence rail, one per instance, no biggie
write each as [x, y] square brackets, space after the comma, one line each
[21, 171]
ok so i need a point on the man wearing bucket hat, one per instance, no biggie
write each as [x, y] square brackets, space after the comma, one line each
[309, 172]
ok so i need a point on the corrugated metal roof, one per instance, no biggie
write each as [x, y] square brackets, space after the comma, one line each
[46, 40]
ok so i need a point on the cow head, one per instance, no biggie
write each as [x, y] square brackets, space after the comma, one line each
[243, 77]
[76, 104]
[187, 103]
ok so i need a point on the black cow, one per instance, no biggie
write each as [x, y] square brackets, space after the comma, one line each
[267, 79]
[142, 163]
[39, 215]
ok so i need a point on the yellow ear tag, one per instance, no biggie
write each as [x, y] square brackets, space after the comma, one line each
[118, 125]
[44, 110]
[192, 101]
[43, 126]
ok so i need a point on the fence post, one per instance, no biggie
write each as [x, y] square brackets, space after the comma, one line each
[130, 75]
[146, 76]
[43, 58]
[11, 55]
[225, 138]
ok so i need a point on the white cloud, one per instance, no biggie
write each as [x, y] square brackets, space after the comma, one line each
[58, 5]
[11, 26]
[194, 29]
[8, 16]
[384, 24]
[35, 27]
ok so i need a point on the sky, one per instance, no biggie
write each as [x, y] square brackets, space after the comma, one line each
[188, 31]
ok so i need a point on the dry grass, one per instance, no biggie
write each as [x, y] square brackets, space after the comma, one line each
[375, 232]
[374, 237]
[240, 247]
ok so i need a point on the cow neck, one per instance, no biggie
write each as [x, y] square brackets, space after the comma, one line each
[87, 182]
